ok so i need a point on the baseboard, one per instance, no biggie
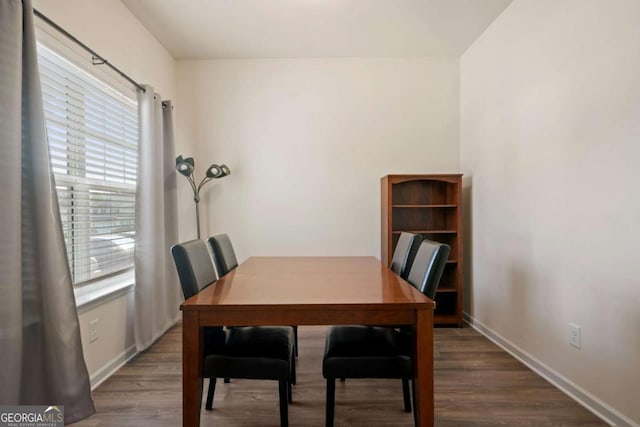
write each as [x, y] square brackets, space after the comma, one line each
[102, 374]
[110, 368]
[599, 408]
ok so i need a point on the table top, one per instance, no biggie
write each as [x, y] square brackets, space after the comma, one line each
[317, 282]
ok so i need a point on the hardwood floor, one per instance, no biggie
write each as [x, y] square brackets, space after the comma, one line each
[476, 384]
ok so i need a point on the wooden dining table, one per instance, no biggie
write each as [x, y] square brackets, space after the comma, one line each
[307, 291]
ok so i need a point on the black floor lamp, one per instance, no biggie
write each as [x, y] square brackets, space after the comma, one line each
[186, 167]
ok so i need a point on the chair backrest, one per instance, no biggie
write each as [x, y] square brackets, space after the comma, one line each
[194, 266]
[404, 253]
[223, 254]
[428, 266]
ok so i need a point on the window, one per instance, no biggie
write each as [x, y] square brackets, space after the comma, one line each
[93, 141]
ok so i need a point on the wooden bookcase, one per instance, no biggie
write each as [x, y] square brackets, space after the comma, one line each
[430, 205]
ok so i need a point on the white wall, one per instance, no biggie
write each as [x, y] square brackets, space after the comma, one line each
[111, 30]
[550, 126]
[307, 141]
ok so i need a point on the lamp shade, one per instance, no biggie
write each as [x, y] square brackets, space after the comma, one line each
[214, 171]
[185, 166]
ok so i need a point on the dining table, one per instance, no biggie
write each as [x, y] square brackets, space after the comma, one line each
[314, 290]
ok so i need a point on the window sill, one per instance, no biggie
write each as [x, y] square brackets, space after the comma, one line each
[102, 291]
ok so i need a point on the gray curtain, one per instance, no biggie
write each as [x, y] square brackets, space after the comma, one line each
[157, 291]
[41, 360]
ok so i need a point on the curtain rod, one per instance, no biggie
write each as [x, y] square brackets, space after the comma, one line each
[96, 58]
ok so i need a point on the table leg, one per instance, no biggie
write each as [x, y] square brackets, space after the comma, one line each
[192, 347]
[423, 368]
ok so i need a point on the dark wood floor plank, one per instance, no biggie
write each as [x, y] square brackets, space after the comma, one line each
[476, 384]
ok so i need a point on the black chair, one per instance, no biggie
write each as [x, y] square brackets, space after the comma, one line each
[225, 258]
[376, 351]
[223, 254]
[262, 352]
[404, 253]
[428, 267]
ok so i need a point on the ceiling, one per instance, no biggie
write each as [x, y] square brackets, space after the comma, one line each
[207, 29]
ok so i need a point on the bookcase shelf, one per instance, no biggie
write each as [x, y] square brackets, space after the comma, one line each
[430, 205]
[425, 206]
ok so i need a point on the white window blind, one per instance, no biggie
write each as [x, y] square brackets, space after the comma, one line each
[93, 137]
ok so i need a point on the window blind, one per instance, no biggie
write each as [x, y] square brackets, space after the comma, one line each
[93, 136]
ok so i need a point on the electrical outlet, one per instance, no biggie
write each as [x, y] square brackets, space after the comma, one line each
[575, 335]
[93, 330]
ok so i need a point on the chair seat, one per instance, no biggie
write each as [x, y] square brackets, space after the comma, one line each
[365, 352]
[253, 352]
